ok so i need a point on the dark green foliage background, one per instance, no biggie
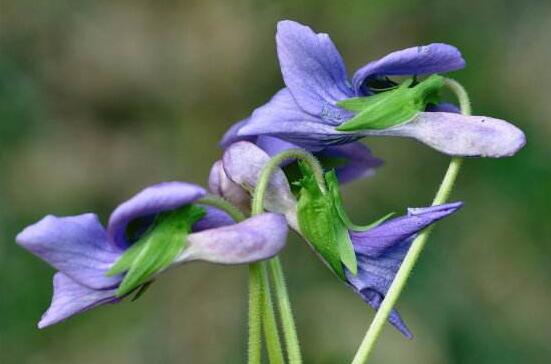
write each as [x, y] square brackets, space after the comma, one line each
[101, 98]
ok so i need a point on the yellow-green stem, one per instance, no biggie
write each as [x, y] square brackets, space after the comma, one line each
[255, 312]
[288, 323]
[273, 343]
[446, 187]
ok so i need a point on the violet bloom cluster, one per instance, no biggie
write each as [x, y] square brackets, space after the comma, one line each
[318, 110]
[82, 250]
[306, 112]
[379, 251]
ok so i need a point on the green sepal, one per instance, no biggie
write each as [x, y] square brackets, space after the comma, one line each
[156, 249]
[293, 173]
[333, 185]
[346, 249]
[142, 289]
[321, 225]
[390, 108]
[316, 220]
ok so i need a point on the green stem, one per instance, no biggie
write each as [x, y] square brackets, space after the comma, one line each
[461, 94]
[260, 301]
[273, 344]
[274, 163]
[255, 313]
[288, 322]
[446, 187]
[221, 204]
[282, 295]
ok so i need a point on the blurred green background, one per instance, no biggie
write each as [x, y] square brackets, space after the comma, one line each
[101, 98]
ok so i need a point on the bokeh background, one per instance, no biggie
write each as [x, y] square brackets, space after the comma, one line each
[101, 98]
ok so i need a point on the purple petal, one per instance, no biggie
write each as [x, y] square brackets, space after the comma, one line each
[359, 162]
[71, 298]
[374, 278]
[421, 60]
[281, 117]
[214, 218]
[74, 245]
[273, 146]
[257, 238]
[150, 201]
[444, 107]
[231, 136]
[461, 135]
[313, 70]
[222, 185]
[243, 163]
[381, 250]
[376, 241]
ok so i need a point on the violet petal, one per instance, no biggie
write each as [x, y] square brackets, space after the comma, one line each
[281, 117]
[273, 146]
[420, 60]
[74, 245]
[222, 185]
[359, 162]
[243, 163]
[444, 107]
[461, 135]
[213, 218]
[257, 238]
[71, 298]
[148, 202]
[313, 70]
[374, 278]
[231, 136]
[377, 240]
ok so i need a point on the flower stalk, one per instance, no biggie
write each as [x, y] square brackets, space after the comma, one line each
[222, 204]
[442, 195]
[282, 295]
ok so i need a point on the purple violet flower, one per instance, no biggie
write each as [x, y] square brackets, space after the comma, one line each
[306, 113]
[83, 251]
[379, 251]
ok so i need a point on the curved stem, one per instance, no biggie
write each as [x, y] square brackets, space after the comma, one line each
[446, 187]
[282, 295]
[260, 301]
[461, 94]
[274, 163]
[224, 205]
